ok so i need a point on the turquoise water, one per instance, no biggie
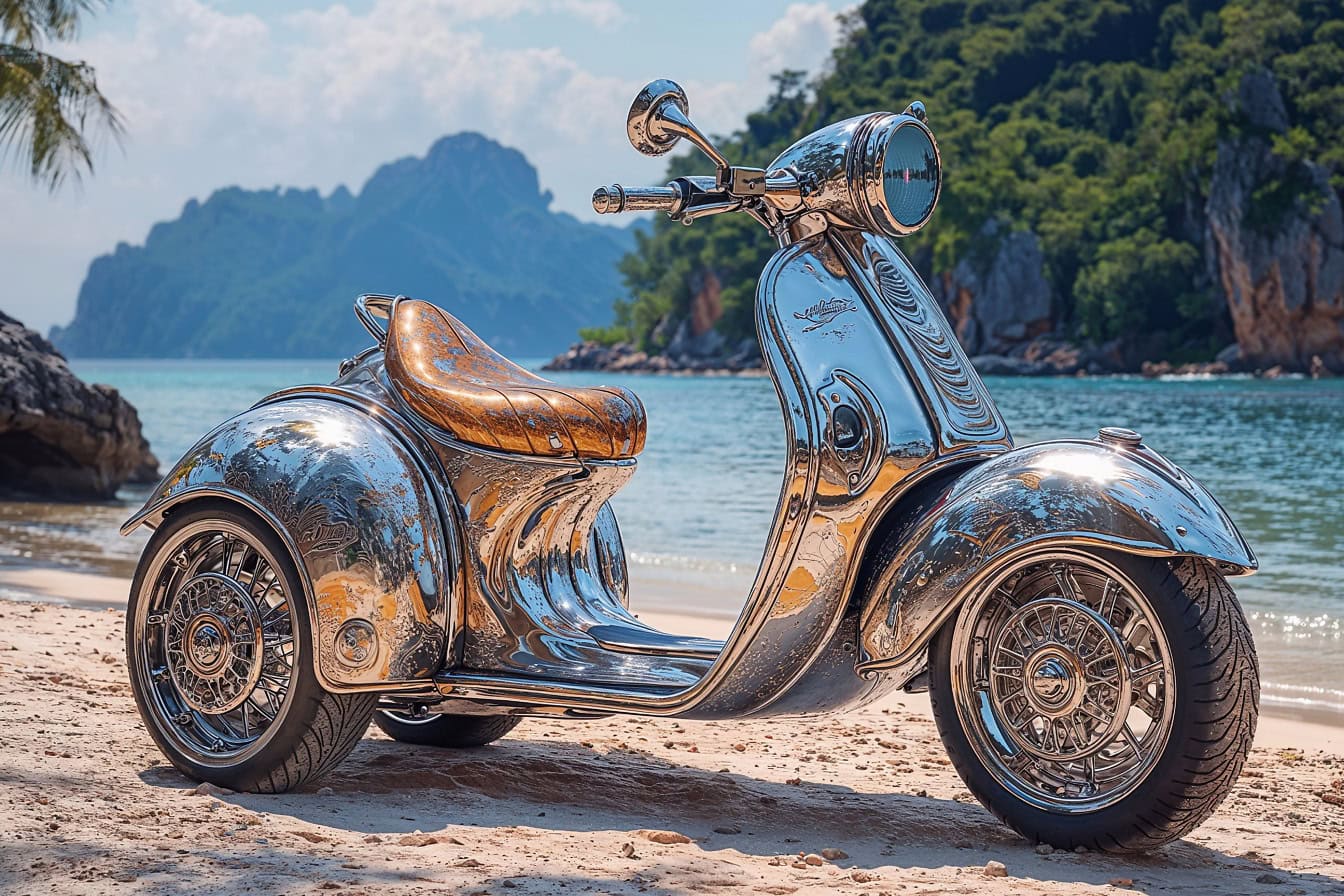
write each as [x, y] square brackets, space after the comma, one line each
[699, 508]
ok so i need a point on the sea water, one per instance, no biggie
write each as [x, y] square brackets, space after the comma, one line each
[696, 515]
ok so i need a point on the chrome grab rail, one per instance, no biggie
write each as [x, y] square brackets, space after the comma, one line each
[370, 308]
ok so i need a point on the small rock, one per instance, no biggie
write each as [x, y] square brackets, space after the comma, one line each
[325, 791]
[328, 885]
[1122, 881]
[1080, 849]
[664, 837]
[123, 876]
[311, 836]
[109, 659]
[996, 869]
[1044, 849]
[741, 748]
[205, 788]
[831, 854]
[728, 829]
[373, 838]
[417, 840]
[628, 850]
[859, 876]
[1268, 879]
[467, 863]
[813, 859]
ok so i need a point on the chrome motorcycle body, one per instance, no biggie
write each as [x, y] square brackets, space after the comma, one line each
[453, 578]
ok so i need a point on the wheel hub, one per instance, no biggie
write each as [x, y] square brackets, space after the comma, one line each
[1053, 677]
[214, 643]
[1060, 679]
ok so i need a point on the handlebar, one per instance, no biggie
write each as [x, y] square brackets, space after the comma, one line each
[615, 198]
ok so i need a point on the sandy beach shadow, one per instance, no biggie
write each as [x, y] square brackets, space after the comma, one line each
[387, 790]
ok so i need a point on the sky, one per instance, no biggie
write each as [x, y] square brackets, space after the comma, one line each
[265, 93]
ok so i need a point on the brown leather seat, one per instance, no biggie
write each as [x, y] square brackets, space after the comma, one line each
[450, 377]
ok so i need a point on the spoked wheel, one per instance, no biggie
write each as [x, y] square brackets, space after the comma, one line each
[1100, 700]
[435, 729]
[217, 642]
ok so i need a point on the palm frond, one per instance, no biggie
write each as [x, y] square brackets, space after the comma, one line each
[26, 23]
[47, 106]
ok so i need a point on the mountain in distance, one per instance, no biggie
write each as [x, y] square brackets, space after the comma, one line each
[274, 273]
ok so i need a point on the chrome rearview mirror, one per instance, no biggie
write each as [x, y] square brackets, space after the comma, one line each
[660, 116]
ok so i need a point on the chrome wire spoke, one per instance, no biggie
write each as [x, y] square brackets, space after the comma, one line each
[1075, 677]
[225, 622]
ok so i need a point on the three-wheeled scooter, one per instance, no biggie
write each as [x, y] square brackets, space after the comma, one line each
[428, 541]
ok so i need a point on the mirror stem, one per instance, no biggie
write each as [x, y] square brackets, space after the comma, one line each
[671, 120]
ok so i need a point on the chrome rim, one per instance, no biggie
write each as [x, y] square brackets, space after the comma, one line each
[407, 718]
[1062, 680]
[214, 642]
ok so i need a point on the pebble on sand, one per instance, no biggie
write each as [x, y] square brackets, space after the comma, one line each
[205, 788]
[417, 840]
[996, 869]
[664, 837]
[813, 859]
[832, 854]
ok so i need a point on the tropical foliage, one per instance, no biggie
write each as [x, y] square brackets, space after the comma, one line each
[48, 107]
[1094, 124]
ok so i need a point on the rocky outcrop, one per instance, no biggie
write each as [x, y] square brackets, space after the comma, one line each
[1276, 242]
[625, 358]
[60, 438]
[997, 297]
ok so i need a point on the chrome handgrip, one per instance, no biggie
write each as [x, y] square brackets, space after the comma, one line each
[615, 198]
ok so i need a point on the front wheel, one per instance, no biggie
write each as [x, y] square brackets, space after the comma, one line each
[217, 642]
[1096, 699]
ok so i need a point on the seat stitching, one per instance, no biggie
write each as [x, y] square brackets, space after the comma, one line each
[521, 425]
[574, 397]
[559, 416]
[637, 413]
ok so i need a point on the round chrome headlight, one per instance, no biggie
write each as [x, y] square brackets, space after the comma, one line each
[899, 174]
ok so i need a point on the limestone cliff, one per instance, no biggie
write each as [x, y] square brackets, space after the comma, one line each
[1276, 241]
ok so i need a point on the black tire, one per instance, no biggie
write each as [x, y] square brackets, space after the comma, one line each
[313, 729]
[444, 730]
[1217, 692]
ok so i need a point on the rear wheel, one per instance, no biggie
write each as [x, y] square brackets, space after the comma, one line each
[436, 729]
[1096, 699]
[217, 643]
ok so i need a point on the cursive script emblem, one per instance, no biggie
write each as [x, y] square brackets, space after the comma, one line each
[824, 312]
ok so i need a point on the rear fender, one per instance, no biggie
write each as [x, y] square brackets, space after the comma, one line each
[350, 500]
[1066, 493]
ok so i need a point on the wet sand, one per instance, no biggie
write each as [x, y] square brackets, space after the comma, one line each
[88, 806]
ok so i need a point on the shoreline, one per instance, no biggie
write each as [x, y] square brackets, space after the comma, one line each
[700, 611]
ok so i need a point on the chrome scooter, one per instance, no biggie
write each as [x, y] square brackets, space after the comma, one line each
[428, 541]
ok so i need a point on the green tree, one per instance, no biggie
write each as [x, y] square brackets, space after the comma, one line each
[1093, 124]
[48, 107]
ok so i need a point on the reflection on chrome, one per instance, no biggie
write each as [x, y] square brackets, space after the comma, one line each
[448, 516]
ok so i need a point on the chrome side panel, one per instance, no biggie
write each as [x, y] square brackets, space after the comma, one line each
[352, 502]
[829, 346]
[957, 401]
[1065, 493]
[544, 564]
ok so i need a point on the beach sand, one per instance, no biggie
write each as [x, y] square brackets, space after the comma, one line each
[88, 805]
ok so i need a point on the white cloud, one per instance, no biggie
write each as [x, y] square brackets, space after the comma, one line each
[321, 97]
[801, 38]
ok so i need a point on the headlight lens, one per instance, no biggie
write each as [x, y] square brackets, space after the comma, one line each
[910, 176]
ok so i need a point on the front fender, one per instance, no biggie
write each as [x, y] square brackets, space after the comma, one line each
[349, 499]
[1054, 493]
